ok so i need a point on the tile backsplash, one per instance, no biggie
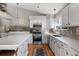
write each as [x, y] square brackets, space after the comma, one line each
[77, 31]
[72, 32]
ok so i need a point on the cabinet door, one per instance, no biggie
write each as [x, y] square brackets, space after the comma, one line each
[48, 39]
[74, 14]
[64, 49]
[63, 52]
[74, 52]
[64, 17]
[29, 39]
[50, 44]
[57, 50]
[44, 38]
[20, 51]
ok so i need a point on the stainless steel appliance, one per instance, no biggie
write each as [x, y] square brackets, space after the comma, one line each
[37, 33]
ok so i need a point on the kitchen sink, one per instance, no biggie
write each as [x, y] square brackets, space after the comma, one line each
[57, 35]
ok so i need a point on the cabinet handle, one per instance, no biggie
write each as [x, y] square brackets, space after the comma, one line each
[21, 52]
[66, 53]
[61, 44]
[67, 24]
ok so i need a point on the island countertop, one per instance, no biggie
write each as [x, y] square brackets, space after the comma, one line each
[12, 42]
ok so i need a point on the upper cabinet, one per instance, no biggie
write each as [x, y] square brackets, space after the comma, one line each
[74, 14]
[64, 17]
[38, 20]
[69, 16]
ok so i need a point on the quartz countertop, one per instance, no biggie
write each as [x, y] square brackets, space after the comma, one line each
[73, 43]
[11, 42]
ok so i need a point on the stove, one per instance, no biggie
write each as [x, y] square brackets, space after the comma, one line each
[37, 33]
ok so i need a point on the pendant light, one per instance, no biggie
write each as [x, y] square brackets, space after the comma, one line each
[68, 20]
[54, 16]
[54, 12]
[17, 10]
[38, 5]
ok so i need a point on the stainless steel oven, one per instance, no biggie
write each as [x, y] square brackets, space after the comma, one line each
[37, 33]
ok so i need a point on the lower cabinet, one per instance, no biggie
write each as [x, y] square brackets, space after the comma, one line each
[52, 43]
[57, 50]
[73, 52]
[23, 48]
[44, 39]
[63, 52]
[61, 49]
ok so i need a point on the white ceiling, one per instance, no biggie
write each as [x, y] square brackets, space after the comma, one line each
[44, 8]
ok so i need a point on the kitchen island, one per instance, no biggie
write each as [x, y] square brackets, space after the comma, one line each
[17, 42]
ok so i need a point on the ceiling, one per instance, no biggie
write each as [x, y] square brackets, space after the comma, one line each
[44, 8]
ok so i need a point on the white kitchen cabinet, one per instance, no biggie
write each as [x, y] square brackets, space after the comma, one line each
[30, 39]
[69, 16]
[20, 51]
[57, 50]
[42, 21]
[74, 14]
[61, 49]
[52, 43]
[63, 52]
[74, 52]
[58, 47]
[62, 18]
[23, 48]
[48, 39]
[45, 39]
[37, 20]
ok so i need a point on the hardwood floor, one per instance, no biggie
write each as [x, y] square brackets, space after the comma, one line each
[31, 48]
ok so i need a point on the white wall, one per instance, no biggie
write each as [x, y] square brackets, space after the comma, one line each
[23, 15]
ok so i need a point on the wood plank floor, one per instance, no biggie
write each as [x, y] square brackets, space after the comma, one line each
[31, 48]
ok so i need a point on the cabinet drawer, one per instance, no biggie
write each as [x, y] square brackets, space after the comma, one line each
[74, 52]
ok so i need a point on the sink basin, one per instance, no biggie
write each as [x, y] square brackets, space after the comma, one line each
[57, 35]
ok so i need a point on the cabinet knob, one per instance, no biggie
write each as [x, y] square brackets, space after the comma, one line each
[66, 53]
[61, 44]
[66, 24]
